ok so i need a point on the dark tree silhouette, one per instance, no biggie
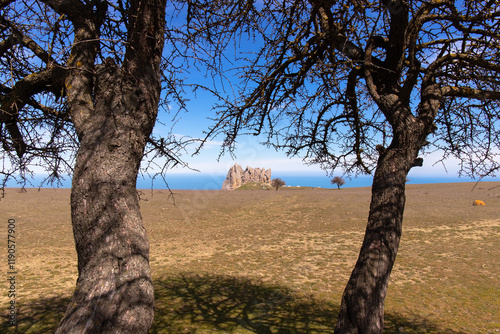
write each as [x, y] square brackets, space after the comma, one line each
[365, 86]
[338, 181]
[277, 183]
[85, 77]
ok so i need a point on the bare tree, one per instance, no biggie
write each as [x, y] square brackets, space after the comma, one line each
[80, 90]
[277, 183]
[338, 181]
[365, 86]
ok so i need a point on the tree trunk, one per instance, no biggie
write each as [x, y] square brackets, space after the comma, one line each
[114, 292]
[113, 110]
[362, 307]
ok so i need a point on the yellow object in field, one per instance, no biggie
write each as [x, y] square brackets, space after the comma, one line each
[479, 203]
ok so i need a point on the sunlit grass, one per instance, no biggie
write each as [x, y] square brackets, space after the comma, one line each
[276, 261]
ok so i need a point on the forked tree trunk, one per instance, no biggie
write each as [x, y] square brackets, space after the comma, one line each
[114, 292]
[362, 307]
[114, 110]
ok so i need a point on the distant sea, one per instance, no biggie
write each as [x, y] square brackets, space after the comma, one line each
[214, 182]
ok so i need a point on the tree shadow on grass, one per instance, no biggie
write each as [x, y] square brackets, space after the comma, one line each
[233, 304]
[36, 316]
[190, 303]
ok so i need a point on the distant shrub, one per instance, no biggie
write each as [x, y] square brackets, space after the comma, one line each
[277, 183]
[337, 180]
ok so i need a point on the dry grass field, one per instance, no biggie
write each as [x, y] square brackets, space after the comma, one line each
[273, 261]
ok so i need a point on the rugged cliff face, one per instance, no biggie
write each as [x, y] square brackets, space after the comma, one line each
[236, 176]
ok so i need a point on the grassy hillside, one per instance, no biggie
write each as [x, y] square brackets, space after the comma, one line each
[275, 261]
[266, 186]
[255, 186]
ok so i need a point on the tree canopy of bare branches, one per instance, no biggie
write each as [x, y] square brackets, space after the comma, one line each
[314, 76]
[36, 40]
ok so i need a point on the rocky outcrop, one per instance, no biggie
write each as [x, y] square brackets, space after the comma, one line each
[233, 178]
[236, 177]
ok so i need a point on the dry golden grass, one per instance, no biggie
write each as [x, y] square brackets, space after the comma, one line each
[276, 261]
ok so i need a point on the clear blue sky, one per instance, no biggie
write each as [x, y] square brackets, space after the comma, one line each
[249, 151]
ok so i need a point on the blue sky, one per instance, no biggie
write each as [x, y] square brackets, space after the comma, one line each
[249, 151]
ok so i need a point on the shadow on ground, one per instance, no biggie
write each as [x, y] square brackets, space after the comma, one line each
[190, 303]
[37, 316]
[229, 304]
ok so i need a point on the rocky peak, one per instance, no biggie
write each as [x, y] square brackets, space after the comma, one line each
[236, 177]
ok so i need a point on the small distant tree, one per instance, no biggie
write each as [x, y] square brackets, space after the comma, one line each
[339, 181]
[277, 183]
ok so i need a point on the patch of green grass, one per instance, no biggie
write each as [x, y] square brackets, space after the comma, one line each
[255, 186]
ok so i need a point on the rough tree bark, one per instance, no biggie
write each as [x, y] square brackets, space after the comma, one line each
[113, 109]
[362, 306]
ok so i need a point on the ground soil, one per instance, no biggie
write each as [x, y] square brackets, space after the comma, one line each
[273, 261]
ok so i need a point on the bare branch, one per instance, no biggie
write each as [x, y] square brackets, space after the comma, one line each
[472, 93]
[5, 3]
[74, 9]
[20, 38]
